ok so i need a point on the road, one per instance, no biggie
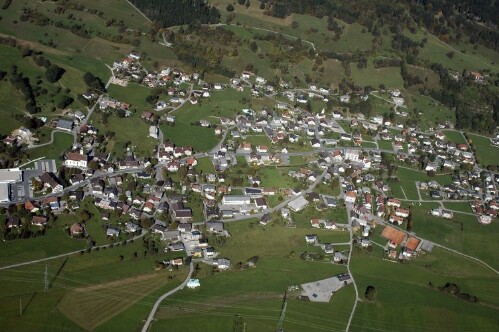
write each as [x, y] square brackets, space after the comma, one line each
[349, 208]
[164, 296]
[144, 232]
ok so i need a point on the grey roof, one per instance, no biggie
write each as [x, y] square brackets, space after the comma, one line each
[65, 124]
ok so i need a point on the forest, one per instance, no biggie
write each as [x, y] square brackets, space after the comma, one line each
[167, 13]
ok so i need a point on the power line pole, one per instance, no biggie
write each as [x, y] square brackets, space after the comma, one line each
[20, 307]
[46, 279]
[283, 313]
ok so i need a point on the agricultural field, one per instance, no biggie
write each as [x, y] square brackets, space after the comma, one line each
[255, 294]
[429, 308]
[62, 142]
[370, 76]
[486, 153]
[86, 292]
[463, 233]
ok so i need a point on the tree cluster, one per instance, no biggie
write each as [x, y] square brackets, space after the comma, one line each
[178, 12]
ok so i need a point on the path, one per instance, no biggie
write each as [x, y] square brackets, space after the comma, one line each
[164, 296]
[457, 51]
[64, 255]
[138, 10]
[352, 313]
[51, 139]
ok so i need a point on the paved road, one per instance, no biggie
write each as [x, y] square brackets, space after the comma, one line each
[64, 255]
[164, 296]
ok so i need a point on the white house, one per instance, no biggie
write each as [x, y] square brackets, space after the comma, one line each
[76, 160]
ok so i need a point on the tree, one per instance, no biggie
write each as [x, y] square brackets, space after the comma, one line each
[54, 73]
[84, 215]
[230, 7]
[64, 102]
[370, 294]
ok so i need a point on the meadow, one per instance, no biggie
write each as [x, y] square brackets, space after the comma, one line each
[486, 153]
[420, 307]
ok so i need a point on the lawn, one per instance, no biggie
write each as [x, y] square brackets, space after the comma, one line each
[79, 274]
[255, 294]
[419, 307]
[200, 138]
[459, 206]
[62, 142]
[205, 165]
[338, 215]
[133, 130]
[273, 176]
[436, 51]
[486, 153]
[389, 76]
[13, 105]
[454, 136]
[463, 233]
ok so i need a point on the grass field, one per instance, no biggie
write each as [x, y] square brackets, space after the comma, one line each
[62, 142]
[436, 51]
[405, 286]
[454, 136]
[486, 153]
[74, 281]
[389, 76]
[463, 233]
[88, 306]
[255, 294]
[9, 96]
[459, 206]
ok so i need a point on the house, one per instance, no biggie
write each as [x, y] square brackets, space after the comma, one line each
[265, 219]
[76, 160]
[298, 204]
[236, 200]
[393, 202]
[132, 227]
[49, 181]
[350, 197]
[394, 219]
[215, 227]
[65, 125]
[113, 232]
[222, 263]
[261, 203]
[352, 155]
[77, 229]
[39, 221]
[404, 213]
[311, 238]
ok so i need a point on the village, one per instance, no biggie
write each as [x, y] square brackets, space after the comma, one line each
[346, 162]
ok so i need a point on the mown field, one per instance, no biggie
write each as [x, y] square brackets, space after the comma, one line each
[420, 307]
[486, 153]
[254, 295]
[95, 291]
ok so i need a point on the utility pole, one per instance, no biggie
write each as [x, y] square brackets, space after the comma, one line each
[46, 279]
[20, 307]
[283, 313]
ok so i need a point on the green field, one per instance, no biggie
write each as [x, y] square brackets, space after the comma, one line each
[73, 288]
[463, 233]
[255, 294]
[389, 76]
[421, 308]
[454, 136]
[62, 142]
[486, 153]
